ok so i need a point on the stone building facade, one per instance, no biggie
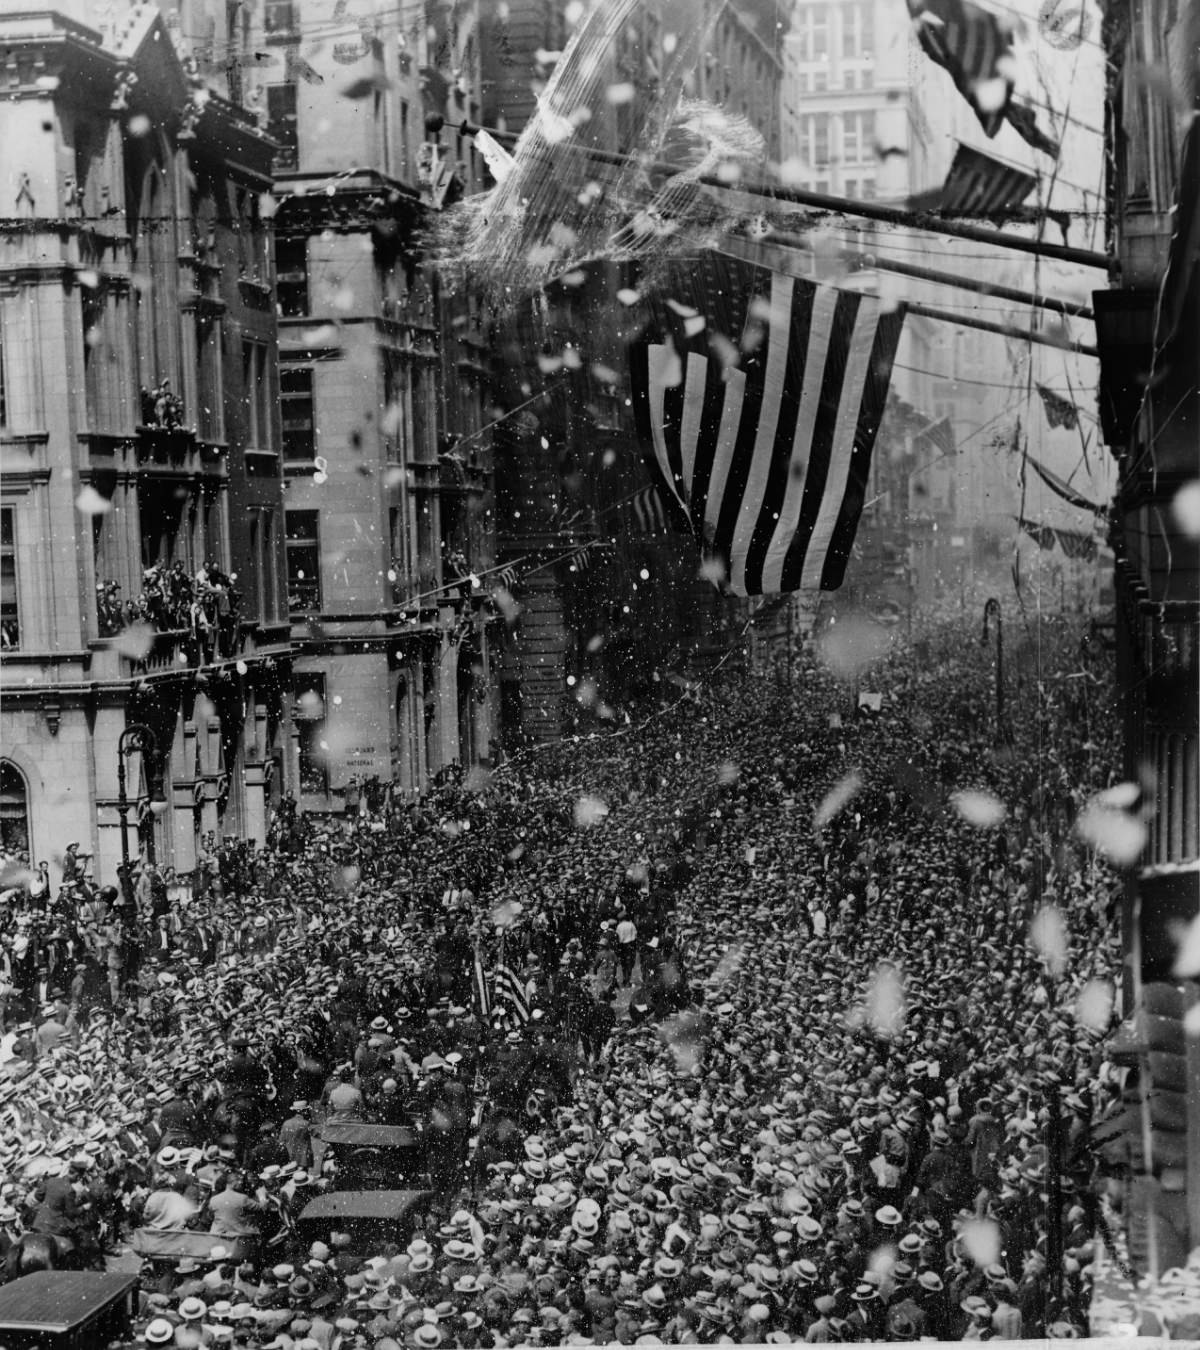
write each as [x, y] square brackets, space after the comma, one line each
[139, 338]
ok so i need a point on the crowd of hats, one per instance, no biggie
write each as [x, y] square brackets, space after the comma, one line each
[756, 1168]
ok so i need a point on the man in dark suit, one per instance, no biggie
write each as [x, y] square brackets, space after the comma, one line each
[200, 941]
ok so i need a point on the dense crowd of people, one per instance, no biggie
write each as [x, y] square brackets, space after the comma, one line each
[779, 1038]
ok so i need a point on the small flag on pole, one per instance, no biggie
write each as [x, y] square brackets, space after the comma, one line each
[979, 185]
[483, 1001]
[1063, 488]
[939, 436]
[507, 577]
[647, 510]
[298, 67]
[1043, 535]
[510, 991]
[1077, 543]
[1060, 412]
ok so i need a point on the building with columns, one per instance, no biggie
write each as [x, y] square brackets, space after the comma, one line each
[142, 573]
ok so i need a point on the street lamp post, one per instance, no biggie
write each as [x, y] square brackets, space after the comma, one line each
[991, 610]
[140, 738]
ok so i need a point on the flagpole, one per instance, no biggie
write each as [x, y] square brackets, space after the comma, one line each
[903, 269]
[867, 261]
[1004, 329]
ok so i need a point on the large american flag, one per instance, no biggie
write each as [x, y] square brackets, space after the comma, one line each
[758, 396]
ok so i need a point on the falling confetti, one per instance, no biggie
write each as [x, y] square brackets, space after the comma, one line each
[1094, 1005]
[507, 912]
[980, 809]
[837, 798]
[852, 644]
[885, 1006]
[684, 1036]
[1048, 933]
[589, 811]
[135, 641]
[91, 503]
[1108, 824]
[1186, 509]
[981, 1241]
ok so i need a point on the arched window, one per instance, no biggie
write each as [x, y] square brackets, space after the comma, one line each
[14, 809]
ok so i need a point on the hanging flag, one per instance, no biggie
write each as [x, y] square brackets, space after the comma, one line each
[980, 185]
[581, 559]
[1043, 534]
[483, 1001]
[510, 991]
[298, 68]
[507, 576]
[939, 436]
[1076, 543]
[646, 508]
[1060, 412]
[758, 397]
[975, 48]
[1023, 121]
[1063, 488]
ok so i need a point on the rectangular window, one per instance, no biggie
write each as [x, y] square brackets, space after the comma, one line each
[398, 566]
[92, 305]
[811, 25]
[308, 713]
[262, 554]
[10, 614]
[291, 276]
[299, 422]
[816, 138]
[858, 137]
[210, 420]
[280, 16]
[281, 124]
[303, 546]
[858, 30]
[820, 81]
[403, 136]
[256, 390]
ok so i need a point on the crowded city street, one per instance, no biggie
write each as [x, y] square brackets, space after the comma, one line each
[599, 652]
[800, 991]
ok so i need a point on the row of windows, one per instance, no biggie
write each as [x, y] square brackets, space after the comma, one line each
[821, 29]
[828, 138]
[819, 80]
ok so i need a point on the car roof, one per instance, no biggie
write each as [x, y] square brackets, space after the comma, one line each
[363, 1204]
[58, 1300]
[362, 1135]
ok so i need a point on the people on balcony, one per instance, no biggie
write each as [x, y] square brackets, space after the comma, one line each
[207, 606]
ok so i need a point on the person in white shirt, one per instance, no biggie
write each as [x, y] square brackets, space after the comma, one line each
[626, 947]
